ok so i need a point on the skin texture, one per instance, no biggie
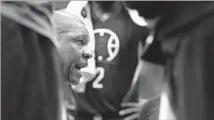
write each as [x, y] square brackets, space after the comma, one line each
[71, 43]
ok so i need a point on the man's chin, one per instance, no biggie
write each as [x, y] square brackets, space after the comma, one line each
[74, 81]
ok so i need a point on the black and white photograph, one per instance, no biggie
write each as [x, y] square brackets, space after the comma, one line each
[107, 60]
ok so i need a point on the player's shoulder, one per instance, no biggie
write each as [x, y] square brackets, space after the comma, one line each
[136, 18]
[139, 23]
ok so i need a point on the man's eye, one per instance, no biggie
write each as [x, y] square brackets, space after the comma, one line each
[79, 43]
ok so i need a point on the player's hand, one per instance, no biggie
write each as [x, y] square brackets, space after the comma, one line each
[132, 109]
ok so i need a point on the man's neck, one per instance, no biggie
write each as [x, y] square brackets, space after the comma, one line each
[103, 14]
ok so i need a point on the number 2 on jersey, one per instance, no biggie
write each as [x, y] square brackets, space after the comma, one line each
[96, 84]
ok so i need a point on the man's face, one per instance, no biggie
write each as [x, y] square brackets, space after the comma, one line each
[74, 54]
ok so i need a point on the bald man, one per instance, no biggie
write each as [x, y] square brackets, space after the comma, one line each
[72, 39]
[71, 44]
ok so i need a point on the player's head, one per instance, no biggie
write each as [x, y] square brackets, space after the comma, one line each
[148, 9]
[72, 38]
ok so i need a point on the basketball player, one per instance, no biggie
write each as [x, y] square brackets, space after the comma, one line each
[116, 56]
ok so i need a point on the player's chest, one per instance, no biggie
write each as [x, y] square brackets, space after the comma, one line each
[117, 31]
[112, 38]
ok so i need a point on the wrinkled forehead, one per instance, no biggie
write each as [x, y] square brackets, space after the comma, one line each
[70, 27]
[75, 28]
[67, 22]
[75, 33]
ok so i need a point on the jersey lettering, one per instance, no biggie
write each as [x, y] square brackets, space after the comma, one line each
[96, 84]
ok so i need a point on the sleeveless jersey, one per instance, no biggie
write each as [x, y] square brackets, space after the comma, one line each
[116, 55]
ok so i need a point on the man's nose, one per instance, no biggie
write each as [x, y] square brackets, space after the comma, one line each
[87, 54]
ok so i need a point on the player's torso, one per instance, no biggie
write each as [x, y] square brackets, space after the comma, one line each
[116, 46]
[115, 53]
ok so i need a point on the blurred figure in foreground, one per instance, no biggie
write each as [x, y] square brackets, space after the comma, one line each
[183, 43]
[31, 76]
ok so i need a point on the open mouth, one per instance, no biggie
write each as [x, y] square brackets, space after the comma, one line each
[80, 66]
[75, 73]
